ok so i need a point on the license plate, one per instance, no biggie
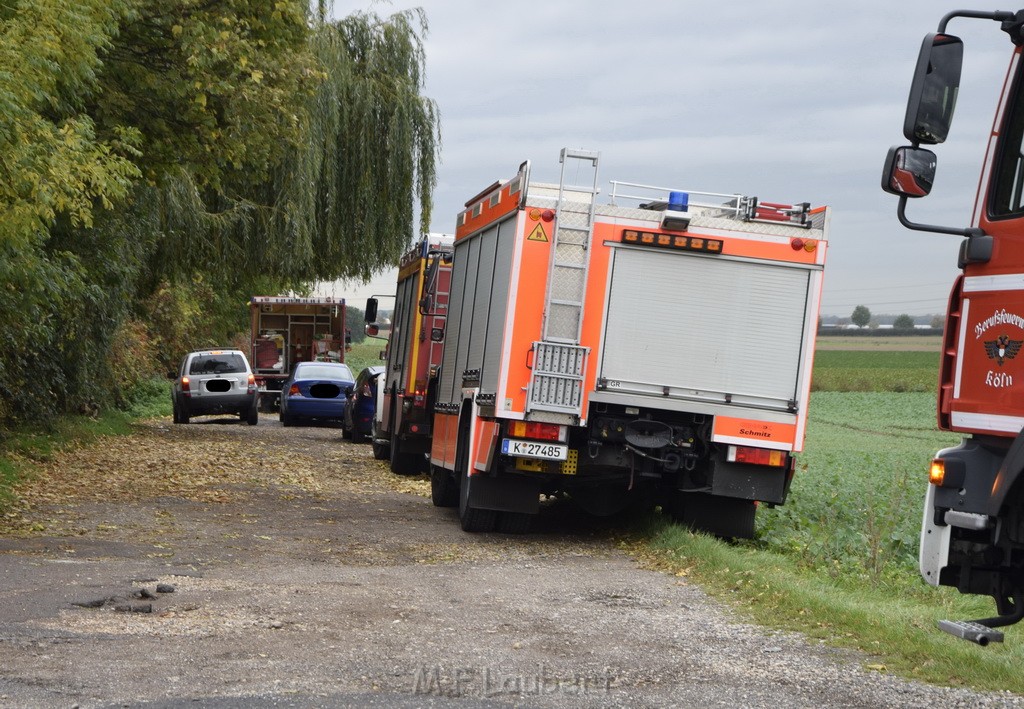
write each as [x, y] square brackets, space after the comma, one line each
[533, 449]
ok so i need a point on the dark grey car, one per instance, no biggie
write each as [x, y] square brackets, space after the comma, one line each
[215, 382]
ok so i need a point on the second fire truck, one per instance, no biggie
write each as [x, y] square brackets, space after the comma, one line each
[656, 349]
[402, 424]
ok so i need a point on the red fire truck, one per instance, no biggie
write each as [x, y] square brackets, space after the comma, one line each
[288, 329]
[972, 534]
[654, 349]
[402, 424]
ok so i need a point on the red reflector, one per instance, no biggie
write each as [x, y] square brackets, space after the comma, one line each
[414, 428]
[547, 215]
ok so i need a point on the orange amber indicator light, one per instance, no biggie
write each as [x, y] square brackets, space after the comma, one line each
[937, 472]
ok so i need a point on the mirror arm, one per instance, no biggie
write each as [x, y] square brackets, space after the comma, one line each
[998, 16]
[901, 212]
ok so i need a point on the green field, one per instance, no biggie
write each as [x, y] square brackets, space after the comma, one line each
[876, 370]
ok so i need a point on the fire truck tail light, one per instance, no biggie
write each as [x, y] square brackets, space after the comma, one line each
[542, 431]
[757, 456]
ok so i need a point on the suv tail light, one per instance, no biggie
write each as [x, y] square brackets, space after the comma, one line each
[184, 387]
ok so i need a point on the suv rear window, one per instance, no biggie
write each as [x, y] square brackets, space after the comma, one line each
[217, 364]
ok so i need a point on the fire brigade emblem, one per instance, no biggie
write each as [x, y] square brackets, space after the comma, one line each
[1002, 348]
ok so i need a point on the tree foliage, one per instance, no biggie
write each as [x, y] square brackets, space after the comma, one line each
[903, 322]
[861, 316]
[163, 160]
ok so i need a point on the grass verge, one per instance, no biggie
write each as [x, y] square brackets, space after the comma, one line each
[893, 621]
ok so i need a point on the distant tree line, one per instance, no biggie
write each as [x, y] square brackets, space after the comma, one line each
[164, 160]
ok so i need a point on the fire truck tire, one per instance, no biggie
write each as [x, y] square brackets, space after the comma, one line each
[403, 463]
[515, 522]
[473, 519]
[444, 491]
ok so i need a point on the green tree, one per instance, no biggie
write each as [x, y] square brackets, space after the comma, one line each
[903, 322]
[861, 316]
[163, 160]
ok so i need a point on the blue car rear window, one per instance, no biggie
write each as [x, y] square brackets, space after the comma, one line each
[324, 372]
[217, 364]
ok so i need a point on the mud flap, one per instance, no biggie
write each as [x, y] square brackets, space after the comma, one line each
[507, 493]
[726, 517]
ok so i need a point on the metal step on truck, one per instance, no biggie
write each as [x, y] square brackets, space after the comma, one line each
[653, 350]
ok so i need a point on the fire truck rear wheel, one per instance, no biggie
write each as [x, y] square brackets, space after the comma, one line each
[444, 490]
[474, 519]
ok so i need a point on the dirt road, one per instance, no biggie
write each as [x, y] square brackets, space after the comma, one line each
[222, 565]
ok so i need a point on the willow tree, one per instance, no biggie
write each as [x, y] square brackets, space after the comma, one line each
[340, 201]
[347, 200]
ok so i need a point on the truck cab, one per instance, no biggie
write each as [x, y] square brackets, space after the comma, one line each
[972, 534]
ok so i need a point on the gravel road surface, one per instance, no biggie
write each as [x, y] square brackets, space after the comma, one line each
[222, 565]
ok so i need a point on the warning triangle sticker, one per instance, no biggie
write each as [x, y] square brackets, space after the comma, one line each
[537, 234]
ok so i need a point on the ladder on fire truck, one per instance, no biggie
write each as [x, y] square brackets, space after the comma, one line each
[556, 383]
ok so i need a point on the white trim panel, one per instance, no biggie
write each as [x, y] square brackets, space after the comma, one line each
[987, 422]
[986, 284]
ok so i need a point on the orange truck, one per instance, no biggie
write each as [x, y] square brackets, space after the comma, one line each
[653, 350]
[402, 421]
[972, 532]
[287, 329]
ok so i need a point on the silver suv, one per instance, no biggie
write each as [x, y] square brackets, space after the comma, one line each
[215, 382]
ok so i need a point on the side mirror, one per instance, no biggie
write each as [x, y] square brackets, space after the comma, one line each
[933, 89]
[172, 375]
[371, 310]
[909, 172]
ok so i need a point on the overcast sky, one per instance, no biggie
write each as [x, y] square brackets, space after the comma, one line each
[789, 101]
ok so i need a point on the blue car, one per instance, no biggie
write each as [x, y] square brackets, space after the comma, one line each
[362, 405]
[315, 390]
